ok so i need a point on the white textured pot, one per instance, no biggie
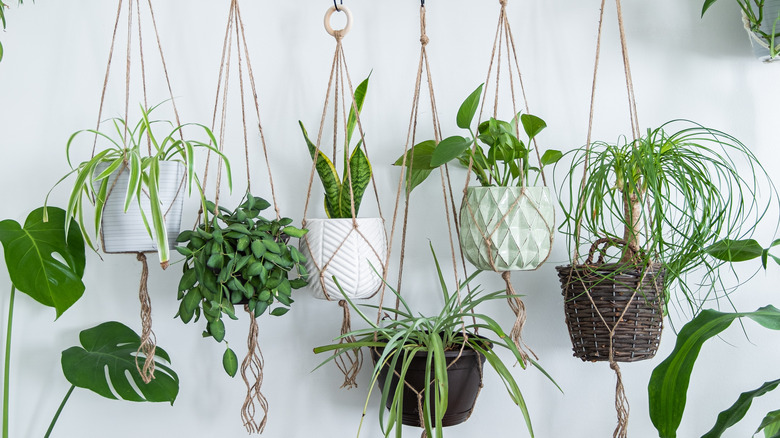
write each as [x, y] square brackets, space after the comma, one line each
[125, 232]
[507, 228]
[760, 47]
[335, 247]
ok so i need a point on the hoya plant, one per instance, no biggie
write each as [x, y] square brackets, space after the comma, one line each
[238, 258]
[495, 151]
[344, 192]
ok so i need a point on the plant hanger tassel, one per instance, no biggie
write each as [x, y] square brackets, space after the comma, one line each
[344, 246]
[148, 339]
[491, 235]
[253, 363]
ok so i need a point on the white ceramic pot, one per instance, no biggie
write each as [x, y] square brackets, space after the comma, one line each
[125, 232]
[335, 247]
[760, 46]
[507, 228]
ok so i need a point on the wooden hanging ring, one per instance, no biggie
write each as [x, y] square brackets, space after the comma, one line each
[338, 33]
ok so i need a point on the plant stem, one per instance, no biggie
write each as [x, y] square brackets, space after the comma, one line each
[59, 410]
[6, 367]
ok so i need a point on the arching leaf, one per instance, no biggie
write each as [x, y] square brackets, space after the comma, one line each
[106, 360]
[737, 411]
[327, 172]
[30, 257]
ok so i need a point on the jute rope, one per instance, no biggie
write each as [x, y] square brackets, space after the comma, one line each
[148, 339]
[351, 364]
[621, 401]
[252, 365]
[252, 373]
[340, 83]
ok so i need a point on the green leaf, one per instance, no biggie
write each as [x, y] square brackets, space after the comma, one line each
[360, 96]
[418, 159]
[29, 257]
[230, 362]
[735, 250]
[106, 360]
[669, 381]
[770, 424]
[468, 108]
[707, 4]
[279, 311]
[449, 149]
[551, 156]
[327, 172]
[188, 279]
[294, 232]
[217, 329]
[532, 125]
[737, 411]
[360, 177]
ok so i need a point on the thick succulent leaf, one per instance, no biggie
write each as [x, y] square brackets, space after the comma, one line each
[30, 258]
[360, 175]
[669, 381]
[737, 411]
[105, 364]
[327, 172]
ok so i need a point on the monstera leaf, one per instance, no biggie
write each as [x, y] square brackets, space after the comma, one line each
[112, 347]
[42, 261]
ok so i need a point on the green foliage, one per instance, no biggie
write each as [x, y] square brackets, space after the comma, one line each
[507, 161]
[238, 258]
[106, 360]
[754, 11]
[669, 381]
[742, 250]
[127, 150]
[737, 411]
[672, 193]
[3, 22]
[770, 425]
[398, 340]
[30, 258]
[342, 193]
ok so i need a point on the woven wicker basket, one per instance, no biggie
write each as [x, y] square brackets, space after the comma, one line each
[611, 287]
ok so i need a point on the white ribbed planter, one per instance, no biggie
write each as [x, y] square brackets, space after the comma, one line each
[760, 47]
[125, 232]
[500, 233]
[334, 247]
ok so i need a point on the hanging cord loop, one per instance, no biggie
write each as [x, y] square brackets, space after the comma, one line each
[252, 373]
[148, 339]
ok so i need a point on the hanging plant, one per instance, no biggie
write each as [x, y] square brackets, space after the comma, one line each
[238, 258]
[136, 183]
[760, 18]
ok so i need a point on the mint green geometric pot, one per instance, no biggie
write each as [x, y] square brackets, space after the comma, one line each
[507, 228]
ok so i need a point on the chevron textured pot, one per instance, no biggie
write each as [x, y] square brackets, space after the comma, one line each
[125, 232]
[507, 228]
[335, 247]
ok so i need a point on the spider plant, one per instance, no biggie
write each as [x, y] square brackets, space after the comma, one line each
[137, 150]
[457, 327]
[3, 22]
[670, 195]
[753, 11]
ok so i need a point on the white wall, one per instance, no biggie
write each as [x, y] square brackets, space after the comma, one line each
[50, 84]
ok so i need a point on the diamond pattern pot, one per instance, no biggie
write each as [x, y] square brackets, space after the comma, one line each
[335, 247]
[507, 228]
[125, 232]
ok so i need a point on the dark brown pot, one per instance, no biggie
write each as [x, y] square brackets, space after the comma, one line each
[464, 376]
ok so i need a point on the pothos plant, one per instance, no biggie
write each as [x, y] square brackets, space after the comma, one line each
[138, 150]
[341, 193]
[670, 194]
[238, 258]
[495, 152]
[753, 11]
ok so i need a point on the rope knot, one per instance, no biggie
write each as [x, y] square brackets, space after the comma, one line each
[503, 3]
[338, 34]
[424, 40]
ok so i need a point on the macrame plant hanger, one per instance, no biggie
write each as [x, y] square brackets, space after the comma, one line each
[621, 401]
[450, 212]
[253, 363]
[340, 83]
[148, 338]
[505, 41]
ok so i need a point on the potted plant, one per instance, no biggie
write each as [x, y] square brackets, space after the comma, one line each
[238, 258]
[136, 184]
[443, 351]
[760, 18]
[662, 199]
[344, 245]
[507, 222]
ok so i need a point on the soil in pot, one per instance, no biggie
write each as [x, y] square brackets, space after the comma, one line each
[464, 378]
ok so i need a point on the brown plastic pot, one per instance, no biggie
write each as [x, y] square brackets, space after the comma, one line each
[464, 376]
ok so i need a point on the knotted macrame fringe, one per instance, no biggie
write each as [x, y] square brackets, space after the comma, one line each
[518, 307]
[621, 404]
[253, 366]
[350, 362]
[148, 339]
